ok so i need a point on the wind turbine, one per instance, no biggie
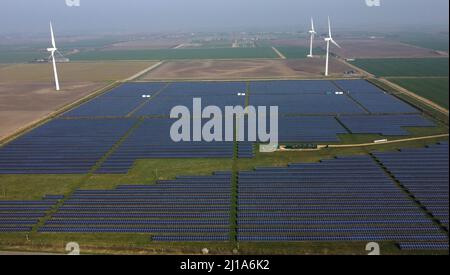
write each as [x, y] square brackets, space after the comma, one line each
[328, 40]
[52, 52]
[312, 32]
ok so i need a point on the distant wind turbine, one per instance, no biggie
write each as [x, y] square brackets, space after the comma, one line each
[52, 52]
[328, 40]
[312, 32]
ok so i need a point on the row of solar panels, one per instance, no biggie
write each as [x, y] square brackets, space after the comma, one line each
[22, 216]
[292, 97]
[178, 212]
[75, 146]
[379, 212]
[325, 203]
[434, 163]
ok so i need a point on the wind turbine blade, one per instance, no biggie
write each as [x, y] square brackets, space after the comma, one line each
[55, 71]
[312, 25]
[53, 36]
[329, 27]
[336, 44]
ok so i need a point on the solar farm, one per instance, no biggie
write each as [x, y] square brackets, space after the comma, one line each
[327, 198]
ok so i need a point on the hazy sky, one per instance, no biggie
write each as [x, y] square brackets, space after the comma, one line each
[32, 16]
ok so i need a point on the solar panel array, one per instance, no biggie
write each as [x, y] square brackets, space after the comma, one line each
[62, 146]
[303, 97]
[310, 129]
[344, 199]
[74, 144]
[189, 208]
[118, 102]
[388, 125]
[22, 216]
[374, 100]
[152, 140]
[425, 173]
[219, 94]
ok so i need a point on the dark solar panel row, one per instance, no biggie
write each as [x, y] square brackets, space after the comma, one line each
[199, 238]
[21, 216]
[153, 140]
[90, 211]
[429, 181]
[303, 203]
[424, 246]
[62, 146]
[388, 125]
[118, 102]
[369, 237]
[374, 99]
[292, 97]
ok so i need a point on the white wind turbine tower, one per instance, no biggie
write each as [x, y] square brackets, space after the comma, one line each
[328, 40]
[52, 52]
[312, 32]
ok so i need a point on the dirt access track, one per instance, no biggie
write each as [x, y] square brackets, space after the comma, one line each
[27, 93]
[244, 69]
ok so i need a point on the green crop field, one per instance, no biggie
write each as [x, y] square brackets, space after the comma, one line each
[437, 42]
[434, 89]
[20, 56]
[420, 67]
[176, 54]
[297, 52]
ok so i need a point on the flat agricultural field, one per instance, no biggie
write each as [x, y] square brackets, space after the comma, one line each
[72, 72]
[289, 42]
[434, 89]
[144, 44]
[25, 104]
[420, 67]
[27, 91]
[176, 54]
[380, 48]
[437, 41]
[243, 69]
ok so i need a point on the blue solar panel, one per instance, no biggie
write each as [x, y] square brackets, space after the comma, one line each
[180, 210]
[388, 125]
[21, 216]
[62, 146]
[375, 100]
[152, 140]
[117, 102]
[429, 181]
[342, 199]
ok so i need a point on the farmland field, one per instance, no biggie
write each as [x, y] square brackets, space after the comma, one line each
[364, 48]
[434, 89]
[420, 67]
[174, 54]
[10, 56]
[437, 42]
[243, 69]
